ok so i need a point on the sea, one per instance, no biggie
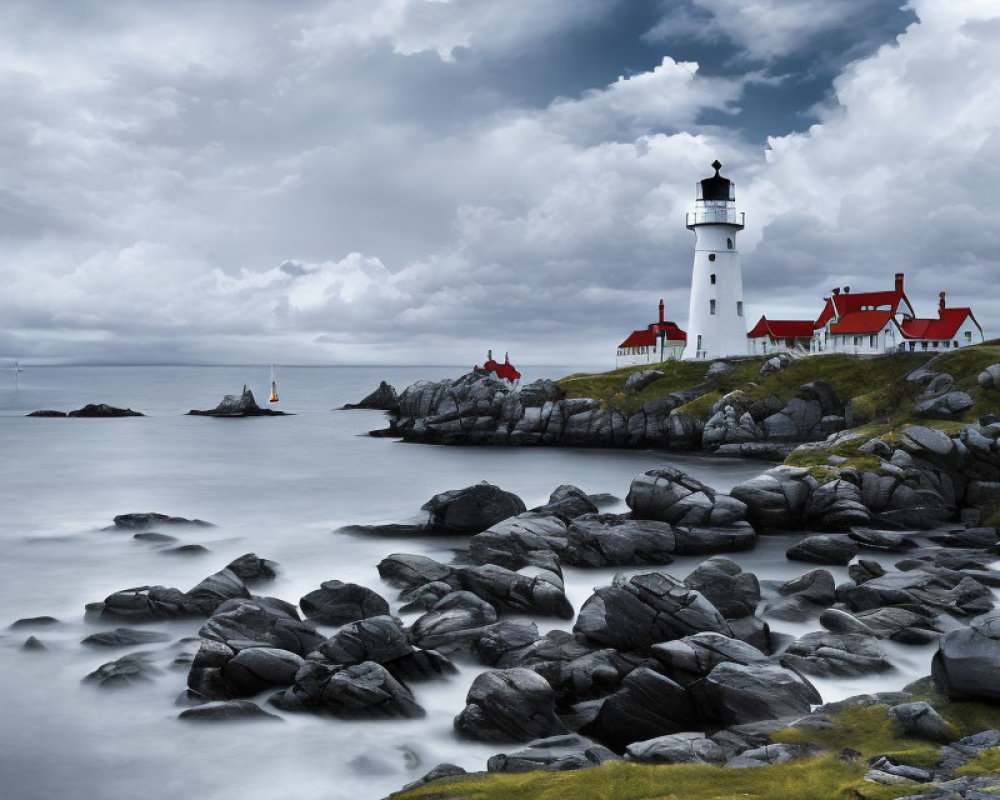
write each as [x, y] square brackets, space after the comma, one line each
[282, 488]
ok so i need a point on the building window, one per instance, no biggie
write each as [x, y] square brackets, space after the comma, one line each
[729, 243]
[857, 340]
[913, 346]
[923, 345]
[968, 334]
[711, 306]
[739, 308]
[711, 278]
[872, 340]
[711, 256]
[955, 343]
[698, 347]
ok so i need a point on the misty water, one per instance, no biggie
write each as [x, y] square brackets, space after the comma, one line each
[279, 487]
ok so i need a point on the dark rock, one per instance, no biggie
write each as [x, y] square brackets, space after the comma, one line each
[676, 748]
[837, 621]
[32, 644]
[554, 754]
[103, 410]
[146, 603]
[250, 568]
[835, 654]
[336, 603]
[513, 705]
[701, 541]
[636, 613]
[252, 623]
[902, 625]
[638, 381]
[379, 639]
[227, 711]
[950, 592]
[506, 590]
[865, 570]
[243, 405]
[836, 506]
[33, 622]
[737, 693]
[568, 502]
[454, 624]
[669, 495]
[778, 499]
[423, 598]
[126, 671]
[921, 720]
[472, 509]
[945, 406]
[436, 774]
[47, 412]
[125, 637]
[187, 550]
[420, 665]
[529, 539]
[360, 691]
[409, 571]
[967, 662]
[693, 657]
[144, 520]
[254, 669]
[596, 540]
[647, 705]
[969, 537]
[886, 541]
[155, 538]
[208, 595]
[804, 596]
[384, 398]
[503, 643]
[724, 584]
[823, 549]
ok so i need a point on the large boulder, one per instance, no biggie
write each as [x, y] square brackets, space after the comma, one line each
[689, 747]
[921, 720]
[242, 405]
[669, 495]
[825, 549]
[534, 538]
[568, 502]
[511, 705]
[693, 657]
[384, 398]
[777, 499]
[945, 406]
[453, 624]
[637, 612]
[804, 596]
[361, 691]
[379, 639]
[647, 705]
[725, 585]
[608, 540]
[989, 378]
[967, 662]
[254, 669]
[505, 590]
[827, 654]
[943, 590]
[408, 571]
[336, 603]
[733, 694]
[638, 381]
[813, 414]
[472, 509]
[836, 506]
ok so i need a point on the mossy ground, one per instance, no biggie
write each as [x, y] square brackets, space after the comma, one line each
[808, 779]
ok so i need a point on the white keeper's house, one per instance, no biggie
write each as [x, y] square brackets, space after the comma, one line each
[869, 323]
[658, 341]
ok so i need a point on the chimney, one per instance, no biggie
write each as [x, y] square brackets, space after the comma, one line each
[506, 358]
[489, 355]
[940, 303]
[836, 291]
[899, 281]
[661, 310]
[847, 290]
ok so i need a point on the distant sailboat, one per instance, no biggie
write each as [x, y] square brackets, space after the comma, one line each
[16, 369]
[274, 388]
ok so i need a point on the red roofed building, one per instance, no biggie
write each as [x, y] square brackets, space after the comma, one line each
[868, 323]
[658, 341]
[504, 371]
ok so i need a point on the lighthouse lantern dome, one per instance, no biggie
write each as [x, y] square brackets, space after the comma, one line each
[716, 188]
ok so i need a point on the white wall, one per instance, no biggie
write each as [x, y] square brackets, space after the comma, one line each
[725, 332]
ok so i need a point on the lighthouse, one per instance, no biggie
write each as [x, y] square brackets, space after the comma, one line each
[716, 325]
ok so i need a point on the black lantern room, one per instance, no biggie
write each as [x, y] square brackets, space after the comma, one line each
[716, 188]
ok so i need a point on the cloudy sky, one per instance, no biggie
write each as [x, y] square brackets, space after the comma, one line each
[394, 181]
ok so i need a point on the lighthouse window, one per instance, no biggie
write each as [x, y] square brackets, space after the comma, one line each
[711, 306]
[739, 308]
[711, 256]
[712, 278]
[729, 243]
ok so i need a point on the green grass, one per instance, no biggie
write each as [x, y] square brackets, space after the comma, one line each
[869, 731]
[986, 763]
[808, 779]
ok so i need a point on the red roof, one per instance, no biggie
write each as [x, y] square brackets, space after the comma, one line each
[862, 321]
[945, 327]
[852, 303]
[505, 370]
[782, 329]
[648, 337]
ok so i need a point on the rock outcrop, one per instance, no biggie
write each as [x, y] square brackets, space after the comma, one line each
[242, 405]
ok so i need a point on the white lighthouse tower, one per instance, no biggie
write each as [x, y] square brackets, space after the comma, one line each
[716, 325]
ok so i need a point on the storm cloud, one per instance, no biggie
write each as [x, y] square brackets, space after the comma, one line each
[401, 180]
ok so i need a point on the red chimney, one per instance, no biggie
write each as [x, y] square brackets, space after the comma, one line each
[661, 310]
[836, 291]
[941, 303]
[899, 282]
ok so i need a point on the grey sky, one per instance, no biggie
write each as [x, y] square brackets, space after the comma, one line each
[368, 181]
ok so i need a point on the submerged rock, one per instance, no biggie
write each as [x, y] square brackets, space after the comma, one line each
[472, 509]
[124, 637]
[361, 691]
[228, 711]
[336, 603]
[125, 671]
[150, 519]
[94, 410]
